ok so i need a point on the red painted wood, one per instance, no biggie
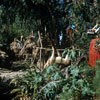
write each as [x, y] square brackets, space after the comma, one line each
[93, 54]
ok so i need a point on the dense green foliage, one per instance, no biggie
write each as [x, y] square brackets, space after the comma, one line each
[96, 79]
[27, 15]
[52, 84]
[52, 18]
[73, 82]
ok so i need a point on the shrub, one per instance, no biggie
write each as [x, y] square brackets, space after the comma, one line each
[51, 84]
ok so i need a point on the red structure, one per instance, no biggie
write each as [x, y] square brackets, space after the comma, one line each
[93, 54]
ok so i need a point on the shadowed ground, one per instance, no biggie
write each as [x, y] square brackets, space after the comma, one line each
[5, 88]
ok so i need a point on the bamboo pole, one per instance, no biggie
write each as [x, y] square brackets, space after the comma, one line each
[40, 48]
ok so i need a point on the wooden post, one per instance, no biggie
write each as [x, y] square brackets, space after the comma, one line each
[40, 48]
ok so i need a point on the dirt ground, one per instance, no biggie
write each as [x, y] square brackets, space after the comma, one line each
[5, 77]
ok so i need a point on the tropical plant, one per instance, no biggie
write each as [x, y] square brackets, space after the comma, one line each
[79, 84]
[52, 84]
[96, 79]
[40, 85]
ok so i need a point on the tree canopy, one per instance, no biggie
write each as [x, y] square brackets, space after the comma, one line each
[51, 17]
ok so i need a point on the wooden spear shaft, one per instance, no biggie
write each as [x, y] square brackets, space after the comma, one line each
[40, 48]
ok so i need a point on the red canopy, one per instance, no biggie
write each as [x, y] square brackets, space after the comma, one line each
[93, 54]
